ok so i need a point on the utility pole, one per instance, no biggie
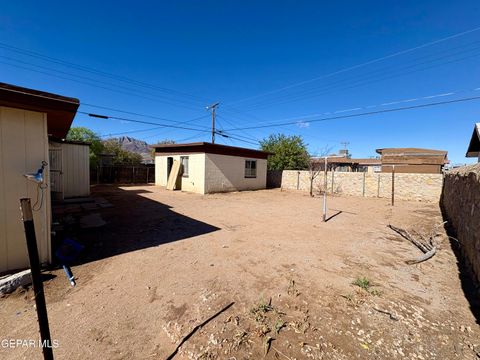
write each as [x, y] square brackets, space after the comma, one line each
[213, 107]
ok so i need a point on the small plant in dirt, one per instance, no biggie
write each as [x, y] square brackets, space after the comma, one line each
[362, 282]
[279, 324]
[349, 297]
[262, 307]
[376, 292]
[365, 284]
[292, 289]
[266, 345]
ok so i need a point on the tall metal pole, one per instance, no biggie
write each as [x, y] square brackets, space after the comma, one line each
[324, 217]
[213, 126]
[213, 107]
[393, 185]
[29, 227]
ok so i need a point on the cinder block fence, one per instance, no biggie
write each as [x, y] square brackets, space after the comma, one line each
[461, 206]
[420, 187]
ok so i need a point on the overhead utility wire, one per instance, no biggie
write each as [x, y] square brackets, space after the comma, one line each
[406, 51]
[99, 116]
[338, 85]
[179, 122]
[140, 121]
[304, 118]
[361, 114]
[128, 92]
[96, 71]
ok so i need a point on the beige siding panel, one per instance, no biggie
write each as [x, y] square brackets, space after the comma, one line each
[3, 209]
[227, 173]
[76, 170]
[24, 146]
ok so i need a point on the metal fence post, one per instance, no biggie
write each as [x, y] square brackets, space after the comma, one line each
[393, 185]
[333, 175]
[364, 175]
[27, 217]
[378, 186]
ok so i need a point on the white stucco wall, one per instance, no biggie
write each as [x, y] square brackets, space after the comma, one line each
[227, 173]
[195, 182]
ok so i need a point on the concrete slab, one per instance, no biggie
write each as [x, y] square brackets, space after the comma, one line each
[10, 283]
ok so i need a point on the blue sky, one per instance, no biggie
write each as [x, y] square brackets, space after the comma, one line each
[187, 54]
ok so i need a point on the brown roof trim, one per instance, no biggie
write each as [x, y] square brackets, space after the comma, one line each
[60, 110]
[65, 141]
[350, 161]
[410, 151]
[209, 148]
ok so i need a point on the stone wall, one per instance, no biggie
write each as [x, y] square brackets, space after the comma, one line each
[420, 187]
[461, 206]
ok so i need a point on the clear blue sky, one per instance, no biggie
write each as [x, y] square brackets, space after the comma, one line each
[233, 50]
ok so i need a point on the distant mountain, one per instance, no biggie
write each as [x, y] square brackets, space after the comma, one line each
[137, 146]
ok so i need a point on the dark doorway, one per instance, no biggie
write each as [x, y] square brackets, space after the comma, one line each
[169, 166]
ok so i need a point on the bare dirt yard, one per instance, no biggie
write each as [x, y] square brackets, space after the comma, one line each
[302, 289]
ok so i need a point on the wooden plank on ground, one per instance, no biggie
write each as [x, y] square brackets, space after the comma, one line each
[172, 179]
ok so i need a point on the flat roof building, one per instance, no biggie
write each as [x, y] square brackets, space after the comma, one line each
[413, 160]
[208, 168]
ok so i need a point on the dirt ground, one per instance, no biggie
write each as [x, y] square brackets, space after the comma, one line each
[167, 261]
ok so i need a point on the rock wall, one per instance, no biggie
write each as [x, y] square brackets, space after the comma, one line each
[420, 187]
[461, 206]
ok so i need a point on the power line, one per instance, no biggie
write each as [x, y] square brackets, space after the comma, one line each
[145, 115]
[360, 81]
[101, 116]
[139, 121]
[126, 91]
[362, 114]
[398, 53]
[97, 72]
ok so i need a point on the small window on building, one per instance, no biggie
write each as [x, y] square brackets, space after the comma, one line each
[184, 162]
[250, 168]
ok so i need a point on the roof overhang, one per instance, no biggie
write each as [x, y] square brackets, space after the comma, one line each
[474, 146]
[209, 148]
[60, 110]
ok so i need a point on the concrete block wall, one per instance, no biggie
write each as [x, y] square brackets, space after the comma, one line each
[227, 173]
[461, 206]
[420, 187]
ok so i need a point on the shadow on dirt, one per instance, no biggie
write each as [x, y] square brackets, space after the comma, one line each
[469, 286]
[134, 222]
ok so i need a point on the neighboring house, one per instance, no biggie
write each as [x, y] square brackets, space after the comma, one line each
[27, 118]
[474, 147]
[69, 164]
[413, 160]
[208, 168]
[345, 164]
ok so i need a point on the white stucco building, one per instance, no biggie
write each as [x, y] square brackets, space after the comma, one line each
[209, 168]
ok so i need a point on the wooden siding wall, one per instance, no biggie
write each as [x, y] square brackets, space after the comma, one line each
[23, 146]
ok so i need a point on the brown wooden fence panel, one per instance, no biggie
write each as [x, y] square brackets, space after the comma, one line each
[122, 174]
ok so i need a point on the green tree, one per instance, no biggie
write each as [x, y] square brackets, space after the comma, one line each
[161, 142]
[86, 135]
[290, 152]
[121, 156]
